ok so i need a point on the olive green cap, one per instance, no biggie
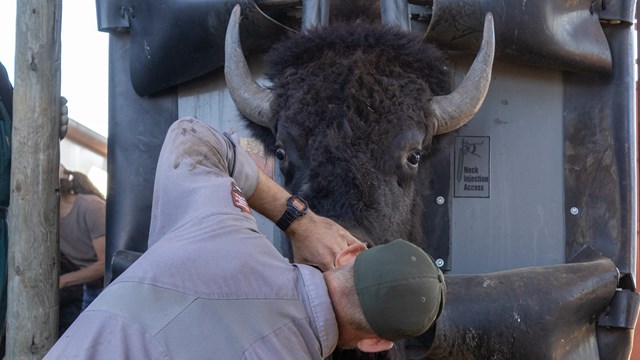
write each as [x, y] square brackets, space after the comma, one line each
[400, 289]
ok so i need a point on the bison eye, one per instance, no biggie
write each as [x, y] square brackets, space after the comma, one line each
[414, 159]
[281, 154]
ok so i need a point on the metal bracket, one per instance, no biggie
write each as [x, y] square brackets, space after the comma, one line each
[113, 15]
[614, 12]
[622, 311]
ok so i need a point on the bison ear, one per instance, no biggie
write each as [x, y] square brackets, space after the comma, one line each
[262, 134]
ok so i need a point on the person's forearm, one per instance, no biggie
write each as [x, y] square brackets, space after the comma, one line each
[270, 200]
[90, 273]
[316, 240]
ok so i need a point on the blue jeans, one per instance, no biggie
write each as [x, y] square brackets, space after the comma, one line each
[88, 295]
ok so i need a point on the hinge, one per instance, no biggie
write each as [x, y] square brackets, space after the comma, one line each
[614, 12]
[113, 15]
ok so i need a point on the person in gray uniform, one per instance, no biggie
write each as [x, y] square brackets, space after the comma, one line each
[210, 286]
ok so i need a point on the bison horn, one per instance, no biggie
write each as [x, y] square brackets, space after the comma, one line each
[253, 101]
[456, 109]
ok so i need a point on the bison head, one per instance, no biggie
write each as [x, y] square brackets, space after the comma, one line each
[351, 115]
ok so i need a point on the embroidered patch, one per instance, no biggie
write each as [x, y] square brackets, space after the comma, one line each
[238, 199]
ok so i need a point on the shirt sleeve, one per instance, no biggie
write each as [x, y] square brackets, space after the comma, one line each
[106, 336]
[6, 90]
[189, 137]
[95, 217]
[244, 170]
[198, 172]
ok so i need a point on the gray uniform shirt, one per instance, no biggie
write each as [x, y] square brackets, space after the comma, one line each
[84, 223]
[210, 286]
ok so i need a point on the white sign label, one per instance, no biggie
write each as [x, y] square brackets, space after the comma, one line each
[472, 167]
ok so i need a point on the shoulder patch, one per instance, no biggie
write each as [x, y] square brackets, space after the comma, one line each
[238, 199]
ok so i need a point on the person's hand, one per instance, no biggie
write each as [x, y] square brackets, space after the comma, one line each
[317, 240]
[64, 117]
[63, 281]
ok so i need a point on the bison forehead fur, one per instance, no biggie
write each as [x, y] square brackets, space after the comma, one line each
[351, 104]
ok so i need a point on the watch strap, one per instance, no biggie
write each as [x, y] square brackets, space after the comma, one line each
[292, 212]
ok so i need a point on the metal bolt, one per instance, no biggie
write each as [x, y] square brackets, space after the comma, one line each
[440, 200]
[574, 211]
[439, 263]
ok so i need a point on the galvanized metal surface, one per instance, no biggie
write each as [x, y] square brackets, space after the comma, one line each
[600, 172]
[521, 223]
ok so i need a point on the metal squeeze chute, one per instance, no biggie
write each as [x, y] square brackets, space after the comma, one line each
[174, 41]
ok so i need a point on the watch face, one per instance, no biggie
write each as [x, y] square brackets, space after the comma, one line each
[296, 207]
[298, 204]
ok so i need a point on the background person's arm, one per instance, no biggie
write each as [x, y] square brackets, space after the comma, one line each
[89, 273]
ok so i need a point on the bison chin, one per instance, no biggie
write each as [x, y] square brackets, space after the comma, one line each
[375, 212]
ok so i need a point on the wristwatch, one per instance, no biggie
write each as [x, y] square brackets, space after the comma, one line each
[296, 207]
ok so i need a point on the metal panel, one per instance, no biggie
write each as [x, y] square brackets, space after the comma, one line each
[601, 137]
[562, 35]
[521, 223]
[137, 127]
[437, 204]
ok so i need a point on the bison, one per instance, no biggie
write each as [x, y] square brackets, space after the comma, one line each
[350, 115]
[358, 103]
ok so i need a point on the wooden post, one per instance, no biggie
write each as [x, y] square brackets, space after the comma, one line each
[32, 314]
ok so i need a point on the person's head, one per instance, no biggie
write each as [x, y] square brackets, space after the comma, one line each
[75, 182]
[387, 293]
